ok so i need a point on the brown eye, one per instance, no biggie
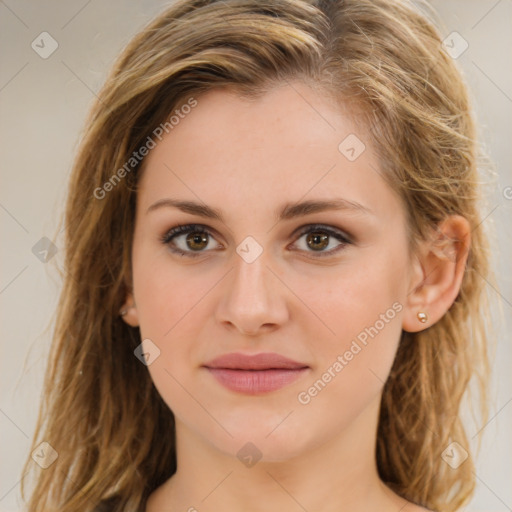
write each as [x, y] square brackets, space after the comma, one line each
[317, 241]
[317, 238]
[189, 240]
[193, 240]
[197, 241]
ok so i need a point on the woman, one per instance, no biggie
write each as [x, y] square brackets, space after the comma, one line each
[274, 296]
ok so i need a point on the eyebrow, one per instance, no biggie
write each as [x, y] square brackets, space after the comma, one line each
[287, 212]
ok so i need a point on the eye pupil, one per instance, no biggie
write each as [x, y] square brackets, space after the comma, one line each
[316, 238]
[197, 238]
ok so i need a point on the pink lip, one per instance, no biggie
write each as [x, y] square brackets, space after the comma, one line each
[260, 373]
[263, 361]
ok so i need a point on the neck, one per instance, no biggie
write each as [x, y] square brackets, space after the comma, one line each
[335, 474]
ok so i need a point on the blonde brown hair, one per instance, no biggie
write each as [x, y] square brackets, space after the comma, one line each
[100, 411]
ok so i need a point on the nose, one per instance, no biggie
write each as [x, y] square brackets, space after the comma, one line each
[253, 298]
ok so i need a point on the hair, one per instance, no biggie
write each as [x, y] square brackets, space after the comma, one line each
[100, 411]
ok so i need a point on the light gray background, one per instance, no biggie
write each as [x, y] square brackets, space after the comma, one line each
[43, 103]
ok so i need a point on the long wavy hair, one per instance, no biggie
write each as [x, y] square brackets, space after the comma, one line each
[101, 413]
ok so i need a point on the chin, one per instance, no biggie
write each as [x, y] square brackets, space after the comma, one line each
[265, 437]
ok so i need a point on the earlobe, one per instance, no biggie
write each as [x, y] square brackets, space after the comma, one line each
[128, 312]
[437, 274]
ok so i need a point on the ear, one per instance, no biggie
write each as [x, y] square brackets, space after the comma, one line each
[128, 311]
[437, 273]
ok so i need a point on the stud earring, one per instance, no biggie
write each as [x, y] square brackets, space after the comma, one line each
[123, 311]
[422, 317]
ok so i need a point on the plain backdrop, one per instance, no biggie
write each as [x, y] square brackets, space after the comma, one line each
[43, 103]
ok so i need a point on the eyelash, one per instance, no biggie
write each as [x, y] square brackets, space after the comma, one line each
[167, 238]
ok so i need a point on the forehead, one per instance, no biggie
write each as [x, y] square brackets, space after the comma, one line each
[281, 118]
[289, 143]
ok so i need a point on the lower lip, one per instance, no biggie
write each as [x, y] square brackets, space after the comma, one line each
[253, 382]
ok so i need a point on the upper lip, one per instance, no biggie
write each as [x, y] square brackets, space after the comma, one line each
[263, 361]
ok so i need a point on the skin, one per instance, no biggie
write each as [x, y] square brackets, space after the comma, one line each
[247, 159]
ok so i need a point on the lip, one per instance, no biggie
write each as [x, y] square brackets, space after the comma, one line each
[262, 361]
[255, 374]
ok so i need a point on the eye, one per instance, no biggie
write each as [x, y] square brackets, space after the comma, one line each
[189, 240]
[192, 240]
[320, 237]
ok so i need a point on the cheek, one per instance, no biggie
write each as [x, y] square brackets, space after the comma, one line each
[165, 293]
[168, 302]
[363, 308]
[355, 296]
[361, 312]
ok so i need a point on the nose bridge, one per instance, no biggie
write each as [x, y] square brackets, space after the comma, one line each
[251, 296]
[252, 276]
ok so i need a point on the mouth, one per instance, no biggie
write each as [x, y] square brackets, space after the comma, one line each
[255, 374]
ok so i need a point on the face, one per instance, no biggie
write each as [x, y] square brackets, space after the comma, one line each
[324, 287]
